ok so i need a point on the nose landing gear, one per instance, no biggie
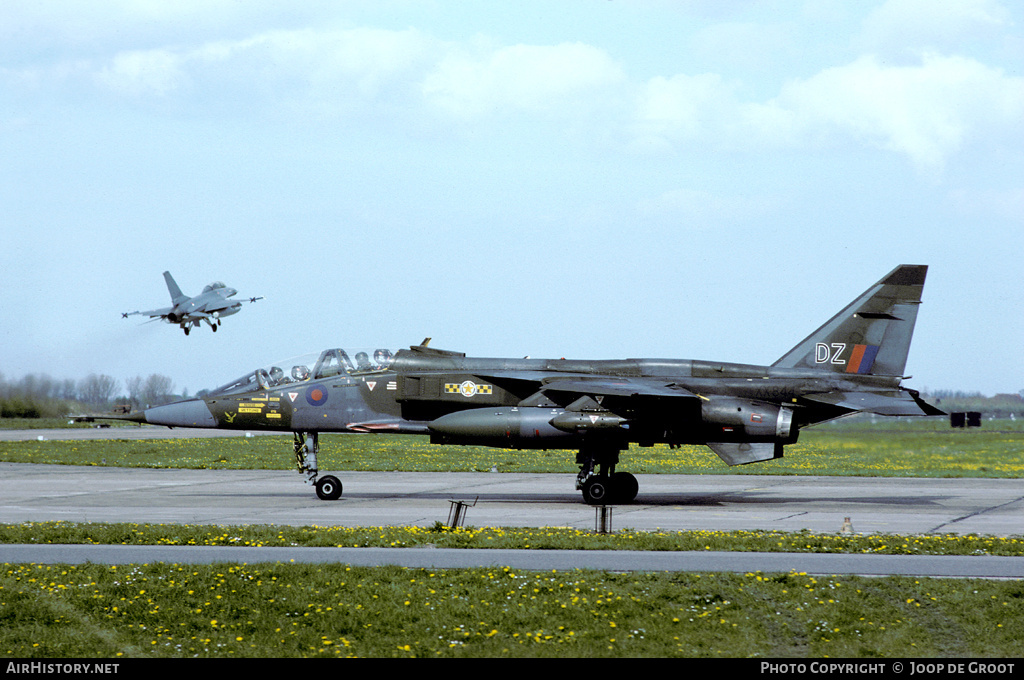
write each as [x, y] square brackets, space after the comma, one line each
[306, 446]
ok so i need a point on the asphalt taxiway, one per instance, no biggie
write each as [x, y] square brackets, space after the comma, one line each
[945, 566]
[669, 502]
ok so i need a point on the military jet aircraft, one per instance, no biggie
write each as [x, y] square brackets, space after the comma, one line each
[744, 413]
[210, 306]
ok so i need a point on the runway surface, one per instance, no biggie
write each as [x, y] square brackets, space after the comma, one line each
[667, 502]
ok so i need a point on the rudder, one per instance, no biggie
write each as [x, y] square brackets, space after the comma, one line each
[172, 288]
[871, 335]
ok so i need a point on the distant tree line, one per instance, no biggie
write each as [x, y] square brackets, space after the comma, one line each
[999, 406]
[40, 396]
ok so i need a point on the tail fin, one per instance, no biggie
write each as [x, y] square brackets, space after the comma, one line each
[172, 288]
[871, 335]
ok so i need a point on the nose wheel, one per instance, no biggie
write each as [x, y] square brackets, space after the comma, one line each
[328, 488]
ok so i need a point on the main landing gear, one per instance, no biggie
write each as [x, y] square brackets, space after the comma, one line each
[605, 487]
[306, 446]
[187, 327]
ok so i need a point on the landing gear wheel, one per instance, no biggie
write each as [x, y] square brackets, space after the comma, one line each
[625, 487]
[620, 487]
[328, 488]
[596, 491]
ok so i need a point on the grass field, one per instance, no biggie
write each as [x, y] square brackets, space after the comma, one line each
[922, 448]
[290, 610]
[506, 538]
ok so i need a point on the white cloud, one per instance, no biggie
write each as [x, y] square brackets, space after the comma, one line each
[143, 73]
[910, 27]
[682, 108]
[342, 68]
[537, 78]
[339, 67]
[926, 112]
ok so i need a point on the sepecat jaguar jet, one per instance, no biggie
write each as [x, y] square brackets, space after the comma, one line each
[745, 413]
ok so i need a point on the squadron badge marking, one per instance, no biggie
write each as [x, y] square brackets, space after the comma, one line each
[467, 388]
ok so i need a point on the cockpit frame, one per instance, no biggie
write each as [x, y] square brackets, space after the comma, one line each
[332, 362]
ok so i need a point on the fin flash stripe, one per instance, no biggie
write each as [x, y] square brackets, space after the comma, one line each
[862, 359]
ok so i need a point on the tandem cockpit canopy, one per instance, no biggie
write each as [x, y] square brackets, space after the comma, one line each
[329, 363]
[216, 285]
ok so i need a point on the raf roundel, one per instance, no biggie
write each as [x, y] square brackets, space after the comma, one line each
[316, 395]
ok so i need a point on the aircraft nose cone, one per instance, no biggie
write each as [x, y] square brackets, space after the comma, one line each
[191, 413]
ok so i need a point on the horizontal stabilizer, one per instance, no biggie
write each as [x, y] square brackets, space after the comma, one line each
[741, 453]
[888, 403]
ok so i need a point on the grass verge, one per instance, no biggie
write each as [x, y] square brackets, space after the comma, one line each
[544, 538]
[279, 610]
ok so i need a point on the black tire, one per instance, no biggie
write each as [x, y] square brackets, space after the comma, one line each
[625, 487]
[596, 491]
[328, 488]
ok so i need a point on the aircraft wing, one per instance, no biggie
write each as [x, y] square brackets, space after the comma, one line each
[153, 313]
[617, 387]
[616, 394]
[884, 403]
[626, 397]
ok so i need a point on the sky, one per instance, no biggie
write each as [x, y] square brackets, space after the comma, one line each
[584, 178]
